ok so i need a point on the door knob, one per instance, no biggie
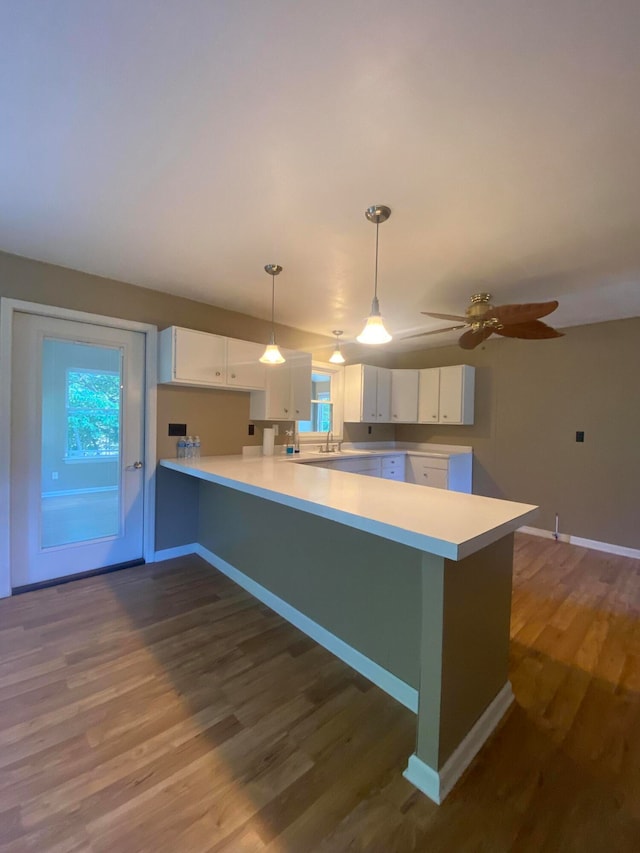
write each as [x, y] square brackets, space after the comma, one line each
[137, 465]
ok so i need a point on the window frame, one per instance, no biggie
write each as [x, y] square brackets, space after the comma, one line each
[336, 371]
[74, 460]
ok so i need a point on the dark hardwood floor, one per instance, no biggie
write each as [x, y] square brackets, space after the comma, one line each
[162, 708]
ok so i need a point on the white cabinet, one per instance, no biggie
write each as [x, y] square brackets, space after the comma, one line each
[191, 357]
[446, 394]
[453, 473]
[287, 393]
[244, 369]
[392, 467]
[427, 471]
[188, 357]
[370, 466]
[404, 396]
[429, 395]
[367, 394]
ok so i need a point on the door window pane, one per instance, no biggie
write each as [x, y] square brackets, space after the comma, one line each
[81, 442]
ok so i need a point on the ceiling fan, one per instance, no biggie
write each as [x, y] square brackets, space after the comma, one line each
[510, 321]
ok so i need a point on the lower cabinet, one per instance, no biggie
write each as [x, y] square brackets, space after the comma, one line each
[428, 471]
[453, 473]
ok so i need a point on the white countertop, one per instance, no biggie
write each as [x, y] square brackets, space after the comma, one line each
[448, 524]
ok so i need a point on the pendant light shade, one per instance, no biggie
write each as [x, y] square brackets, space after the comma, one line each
[336, 355]
[374, 331]
[272, 354]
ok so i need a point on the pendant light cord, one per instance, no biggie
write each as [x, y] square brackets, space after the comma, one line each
[375, 288]
[273, 303]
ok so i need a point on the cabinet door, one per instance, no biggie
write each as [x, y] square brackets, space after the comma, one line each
[383, 407]
[199, 357]
[457, 386]
[300, 373]
[244, 369]
[426, 471]
[278, 392]
[369, 393]
[429, 395]
[404, 396]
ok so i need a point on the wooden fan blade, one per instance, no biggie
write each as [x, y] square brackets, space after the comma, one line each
[445, 316]
[525, 313]
[434, 332]
[471, 339]
[535, 330]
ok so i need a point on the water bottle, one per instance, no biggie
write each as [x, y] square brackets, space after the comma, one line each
[196, 447]
[182, 446]
[189, 448]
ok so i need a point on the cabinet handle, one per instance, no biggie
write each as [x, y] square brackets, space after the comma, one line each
[297, 411]
[285, 411]
[373, 414]
[379, 414]
[434, 416]
[233, 376]
[425, 475]
[444, 416]
[395, 416]
[217, 373]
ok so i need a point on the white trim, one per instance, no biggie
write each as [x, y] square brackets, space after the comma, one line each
[437, 784]
[171, 553]
[7, 309]
[593, 544]
[382, 678]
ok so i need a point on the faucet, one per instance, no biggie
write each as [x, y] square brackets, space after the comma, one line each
[329, 438]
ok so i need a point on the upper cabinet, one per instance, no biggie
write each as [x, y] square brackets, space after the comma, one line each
[244, 369]
[446, 394]
[190, 357]
[438, 395]
[287, 391]
[404, 396]
[367, 394]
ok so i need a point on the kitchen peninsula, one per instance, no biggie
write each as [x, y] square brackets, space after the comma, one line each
[408, 584]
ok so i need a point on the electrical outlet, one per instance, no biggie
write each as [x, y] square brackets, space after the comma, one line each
[580, 435]
[369, 430]
[252, 429]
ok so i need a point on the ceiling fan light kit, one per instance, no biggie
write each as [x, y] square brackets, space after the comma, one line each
[374, 331]
[510, 321]
[272, 354]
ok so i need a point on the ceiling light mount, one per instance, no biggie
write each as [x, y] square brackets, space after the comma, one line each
[272, 354]
[374, 331]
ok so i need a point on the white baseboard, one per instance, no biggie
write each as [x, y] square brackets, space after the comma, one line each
[594, 544]
[382, 678]
[437, 784]
[171, 553]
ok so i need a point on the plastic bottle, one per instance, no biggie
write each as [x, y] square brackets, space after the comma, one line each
[189, 448]
[196, 447]
[182, 444]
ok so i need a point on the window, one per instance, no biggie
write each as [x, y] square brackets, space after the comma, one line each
[93, 414]
[326, 403]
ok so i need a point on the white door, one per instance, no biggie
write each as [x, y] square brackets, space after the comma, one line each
[77, 445]
[404, 396]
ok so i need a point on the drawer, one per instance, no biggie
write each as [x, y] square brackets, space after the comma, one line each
[394, 474]
[431, 462]
[434, 477]
[392, 463]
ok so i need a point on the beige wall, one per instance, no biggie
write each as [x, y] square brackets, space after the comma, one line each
[531, 398]
[220, 418]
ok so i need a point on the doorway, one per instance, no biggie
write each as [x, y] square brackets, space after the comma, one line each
[80, 484]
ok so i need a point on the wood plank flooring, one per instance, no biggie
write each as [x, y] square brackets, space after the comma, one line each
[162, 708]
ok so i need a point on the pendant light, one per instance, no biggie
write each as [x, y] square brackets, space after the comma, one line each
[272, 354]
[374, 331]
[336, 355]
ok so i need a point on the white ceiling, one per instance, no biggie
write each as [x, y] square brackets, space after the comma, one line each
[183, 144]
